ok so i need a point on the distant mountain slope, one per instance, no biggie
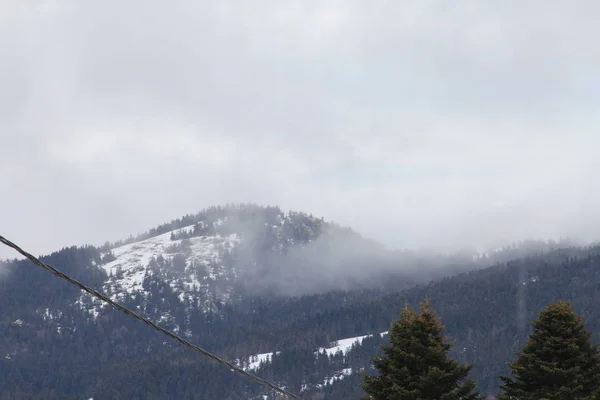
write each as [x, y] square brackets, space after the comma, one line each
[228, 252]
[247, 280]
[194, 269]
[221, 253]
[338, 356]
[486, 312]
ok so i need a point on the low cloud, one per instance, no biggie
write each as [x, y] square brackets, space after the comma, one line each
[419, 125]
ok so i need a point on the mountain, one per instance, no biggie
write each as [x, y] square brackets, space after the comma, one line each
[486, 312]
[255, 284]
[222, 254]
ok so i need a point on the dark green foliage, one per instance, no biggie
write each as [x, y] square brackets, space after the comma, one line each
[416, 364]
[480, 310]
[71, 354]
[557, 362]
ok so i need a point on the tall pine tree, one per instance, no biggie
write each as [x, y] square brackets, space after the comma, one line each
[416, 365]
[557, 362]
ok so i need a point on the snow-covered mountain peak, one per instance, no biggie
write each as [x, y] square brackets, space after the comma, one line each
[190, 266]
[205, 261]
[134, 261]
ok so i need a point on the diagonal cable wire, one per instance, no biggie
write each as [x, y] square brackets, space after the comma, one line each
[127, 311]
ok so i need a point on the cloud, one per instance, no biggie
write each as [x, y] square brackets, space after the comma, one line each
[419, 124]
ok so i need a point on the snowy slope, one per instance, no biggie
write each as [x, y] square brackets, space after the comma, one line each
[133, 259]
[255, 362]
[201, 265]
[343, 345]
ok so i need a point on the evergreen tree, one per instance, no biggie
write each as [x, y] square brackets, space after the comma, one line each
[558, 361]
[416, 365]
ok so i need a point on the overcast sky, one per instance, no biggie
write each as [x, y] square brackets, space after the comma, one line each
[418, 123]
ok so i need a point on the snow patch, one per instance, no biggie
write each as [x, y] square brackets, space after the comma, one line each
[253, 362]
[200, 265]
[343, 345]
[338, 376]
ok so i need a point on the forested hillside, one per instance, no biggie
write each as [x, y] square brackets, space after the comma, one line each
[59, 344]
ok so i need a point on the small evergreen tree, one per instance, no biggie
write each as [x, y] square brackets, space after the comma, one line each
[416, 365]
[557, 362]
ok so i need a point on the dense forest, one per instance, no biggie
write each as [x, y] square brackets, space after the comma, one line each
[53, 346]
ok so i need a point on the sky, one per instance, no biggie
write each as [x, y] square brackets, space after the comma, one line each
[420, 124]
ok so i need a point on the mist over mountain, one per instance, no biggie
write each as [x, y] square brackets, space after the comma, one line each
[292, 297]
[424, 149]
[257, 250]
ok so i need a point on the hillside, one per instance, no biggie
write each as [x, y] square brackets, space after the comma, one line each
[487, 312]
[256, 284]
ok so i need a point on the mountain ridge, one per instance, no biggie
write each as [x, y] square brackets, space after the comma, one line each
[50, 323]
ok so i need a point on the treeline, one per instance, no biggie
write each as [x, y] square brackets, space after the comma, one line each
[207, 216]
[52, 348]
[230, 218]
